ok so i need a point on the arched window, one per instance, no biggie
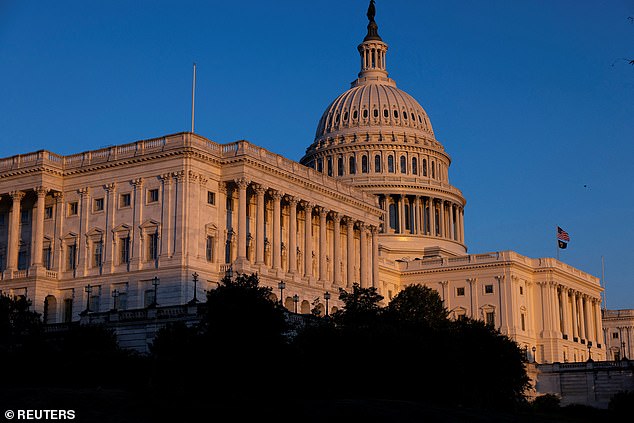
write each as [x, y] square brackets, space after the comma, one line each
[393, 216]
[403, 164]
[364, 164]
[390, 163]
[340, 166]
[352, 165]
[329, 165]
[424, 167]
[320, 164]
[414, 166]
[433, 172]
[377, 163]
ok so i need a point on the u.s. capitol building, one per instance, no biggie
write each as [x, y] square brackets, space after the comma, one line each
[370, 202]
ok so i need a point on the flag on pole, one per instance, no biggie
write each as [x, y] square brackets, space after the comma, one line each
[562, 238]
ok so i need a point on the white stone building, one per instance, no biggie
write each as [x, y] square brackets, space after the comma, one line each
[618, 331]
[370, 202]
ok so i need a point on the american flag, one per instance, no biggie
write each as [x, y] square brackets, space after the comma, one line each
[562, 235]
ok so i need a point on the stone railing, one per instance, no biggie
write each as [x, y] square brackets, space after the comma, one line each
[616, 314]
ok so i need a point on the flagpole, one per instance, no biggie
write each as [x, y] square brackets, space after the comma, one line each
[605, 292]
[557, 244]
[193, 95]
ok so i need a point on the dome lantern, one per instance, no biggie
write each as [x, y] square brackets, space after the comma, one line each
[373, 51]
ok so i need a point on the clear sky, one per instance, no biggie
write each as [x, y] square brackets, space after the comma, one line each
[532, 99]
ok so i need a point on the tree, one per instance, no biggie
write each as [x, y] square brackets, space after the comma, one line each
[419, 306]
[361, 307]
[18, 325]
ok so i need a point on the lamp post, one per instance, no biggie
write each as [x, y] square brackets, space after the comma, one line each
[326, 297]
[623, 351]
[281, 285]
[155, 282]
[229, 272]
[295, 300]
[589, 353]
[195, 299]
[534, 358]
[115, 296]
[88, 290]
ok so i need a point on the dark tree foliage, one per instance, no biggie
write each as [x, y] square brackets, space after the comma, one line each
[361, 307]
[419, 306]
[19, 327]
[621, 405]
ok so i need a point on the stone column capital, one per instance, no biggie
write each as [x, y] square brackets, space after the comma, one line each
[166, 178]
[472, 281]
[17, 195]
[308, 206]
[110, 187]
[444, 283]
[138, 182]
[222, 187]
[499, 278]
[292, 200]
[323, 212]
[259, 189]
[348, 220]
[41, 191]
[275, 194]
[242, 183]
[179, 175]
[334, 215]
[58, 196]
[373, 229]
[84, 191]
[202, 179]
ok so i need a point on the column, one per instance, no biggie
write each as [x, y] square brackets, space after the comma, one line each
[259, 237]
[135, 248]
[554, 299]
[292, 235]
[599, 322]
[82, 249]
[223, 221]
[39, 227]
[180, 214]
[336, 249]
[308, 239]
[14, 232]
[166, 219]
[401, 214]
[323, 246]
[473, 298]
[588, 319]
[461, 225]
[242, 184]
[432, 217]
[350, 252]
[442, 219]
[416, 212]
[445, 294]
[59, 227]
[277, 230]
[363, 256]
[582, 326]
[375, 256]
[575, 321]
[563, 301]
[110, 224]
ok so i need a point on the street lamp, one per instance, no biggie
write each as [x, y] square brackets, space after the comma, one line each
[115, 295]
[281, 285]
[229, 272]
[326, 297]
[295, 300]
[195, 299]
[589, 353]
[623, 350]
[88, 290]
[534, 349]
[155, 282]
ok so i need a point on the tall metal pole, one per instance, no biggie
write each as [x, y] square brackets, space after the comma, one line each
[193, 95]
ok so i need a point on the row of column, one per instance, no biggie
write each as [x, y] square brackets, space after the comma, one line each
[368, 257]
[428, 216]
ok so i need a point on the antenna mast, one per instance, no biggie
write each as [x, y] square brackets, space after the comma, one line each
[193, 95]
[605, 292]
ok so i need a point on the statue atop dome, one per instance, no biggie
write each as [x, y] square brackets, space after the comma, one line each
[373, 28]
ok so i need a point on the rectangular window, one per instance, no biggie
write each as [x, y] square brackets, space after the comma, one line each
[615, 335]
[98, 205]
[124, 200]
[148, 298]
[124, 250]
[460, 291]
[23, 260]
[24, 216]
[521, 290]
[94, 303]
[2, 218]
[68, 310]
[71, 257]
[122, 301]
[211, 198]
[488, 289]
[153, 195]
[97, 253]
[209, 248]
[73, 208]
[46, 256]
[490, 318]
[329, 165]
[152, 252]
[523, 320]
[48, 212]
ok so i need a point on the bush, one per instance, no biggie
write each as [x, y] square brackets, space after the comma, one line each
[546, 403]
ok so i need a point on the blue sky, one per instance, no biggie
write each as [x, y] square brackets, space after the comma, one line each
[533, 99]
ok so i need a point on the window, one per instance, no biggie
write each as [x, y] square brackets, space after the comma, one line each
[125, 200]
[2, 218]
[320, 165]
[521, 290]
[94, 303]
[489, 318]
[211, 198]
[122, 301]
[414, 166]
[352, 165]
[48, 212]
[424, 167]
[433, 173]
[23, 259]
[209, 249]
[152, 246]
[46, 257]
[376, 113]
[396, 114]
[364, 164]
[390, 164]
[523, 321]
[355, 115]
[393, 216]
[97, 253]
[24, 216]
[329, 162]
[386, 114]
[460, 291]
[153, 195]
[98, 205]
[68, 310]
[148, 298]
[615, 335]
[365, 113]
[377, 163]
[71, 257]
[340, 166]
[403, 164]
[488, 289]
[124, 250]
[73, 208]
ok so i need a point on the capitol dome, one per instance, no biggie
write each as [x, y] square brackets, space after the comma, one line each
[379, 139]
